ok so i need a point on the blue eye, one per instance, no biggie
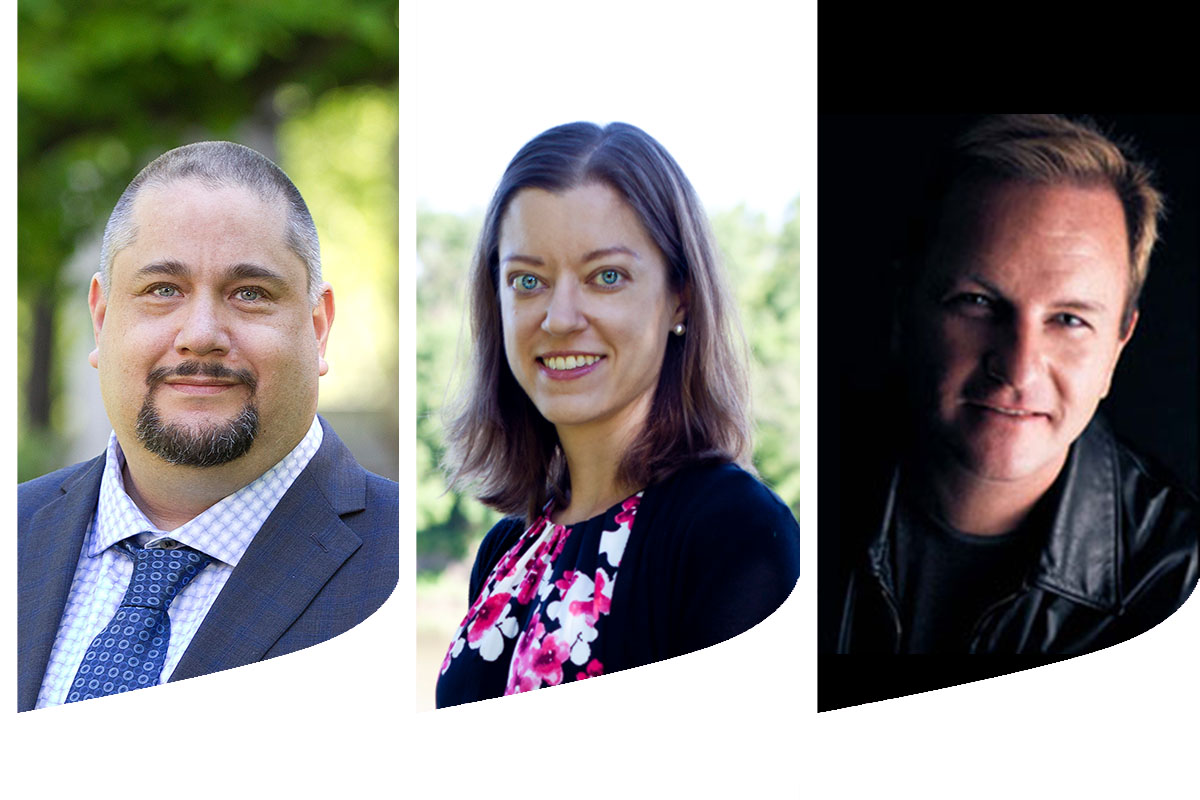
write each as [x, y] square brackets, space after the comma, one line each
[526, 282]
[609, 277]
[164, 291]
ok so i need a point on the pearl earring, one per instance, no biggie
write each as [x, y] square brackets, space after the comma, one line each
[679, 329]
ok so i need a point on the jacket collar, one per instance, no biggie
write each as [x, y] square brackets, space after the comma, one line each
[295, 553]
[1081, 558]
[46, 561]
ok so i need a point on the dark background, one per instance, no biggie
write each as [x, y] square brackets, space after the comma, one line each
[873, 173]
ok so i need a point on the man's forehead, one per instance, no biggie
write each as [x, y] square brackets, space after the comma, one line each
[1086, 221]
[179, 194]
[186, 220]
[972, 206]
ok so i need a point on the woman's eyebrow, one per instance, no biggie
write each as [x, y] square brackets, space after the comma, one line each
[609, 251]
[534, 260]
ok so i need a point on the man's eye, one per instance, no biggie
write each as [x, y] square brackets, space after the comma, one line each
[525, 282]
[1069, 320]
[972, 303]
[977, 300]
[249, 294]
[165, 291]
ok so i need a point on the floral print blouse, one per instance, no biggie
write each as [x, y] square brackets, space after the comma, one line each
[693, 560]
[540, 617]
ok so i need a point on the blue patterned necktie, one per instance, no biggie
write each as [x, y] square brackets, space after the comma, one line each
[131, 650]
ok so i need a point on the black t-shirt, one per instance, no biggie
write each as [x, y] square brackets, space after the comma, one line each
[946, 580]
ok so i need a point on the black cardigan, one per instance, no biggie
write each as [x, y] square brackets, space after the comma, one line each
[712, 553]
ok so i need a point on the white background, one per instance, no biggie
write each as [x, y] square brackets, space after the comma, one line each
[732, 94]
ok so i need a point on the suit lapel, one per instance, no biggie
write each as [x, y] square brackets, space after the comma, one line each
[299, 548]
[45, 569]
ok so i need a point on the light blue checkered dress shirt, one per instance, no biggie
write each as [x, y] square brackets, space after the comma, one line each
[102, 575]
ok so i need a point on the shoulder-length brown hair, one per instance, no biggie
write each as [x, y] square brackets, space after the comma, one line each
[498, 446]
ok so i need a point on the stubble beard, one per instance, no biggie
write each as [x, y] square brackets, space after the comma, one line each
[207, 446]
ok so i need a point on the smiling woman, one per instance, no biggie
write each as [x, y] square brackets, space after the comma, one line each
[607, 410]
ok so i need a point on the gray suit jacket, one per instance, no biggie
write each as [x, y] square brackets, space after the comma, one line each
[325, 559]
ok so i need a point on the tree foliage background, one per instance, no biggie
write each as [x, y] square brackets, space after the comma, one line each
[103, 87]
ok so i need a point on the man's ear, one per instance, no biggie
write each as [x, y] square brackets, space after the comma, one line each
[1124, 340]
[322, 322]
[99, 306]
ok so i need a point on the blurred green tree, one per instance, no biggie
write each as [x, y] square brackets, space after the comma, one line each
[764, 268]
[353, 199]
[102, 87]
[448, 524]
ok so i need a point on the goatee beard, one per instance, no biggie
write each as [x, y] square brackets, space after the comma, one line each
[209, 446]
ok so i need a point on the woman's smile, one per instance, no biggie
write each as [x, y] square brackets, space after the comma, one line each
[567, 367]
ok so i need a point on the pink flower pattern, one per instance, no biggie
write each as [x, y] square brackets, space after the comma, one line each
[599, 604]
[594, 668]
[563, 614]
[628, 510]
[489, 613]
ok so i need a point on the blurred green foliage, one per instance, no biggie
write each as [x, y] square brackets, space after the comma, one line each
[763, 266]
[103, 87]
[353, 199]
[448, 524]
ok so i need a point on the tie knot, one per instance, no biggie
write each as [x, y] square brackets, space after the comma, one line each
[159, 574]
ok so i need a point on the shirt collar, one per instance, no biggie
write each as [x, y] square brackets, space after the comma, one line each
[224, 530]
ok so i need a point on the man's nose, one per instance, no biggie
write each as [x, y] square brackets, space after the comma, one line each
[1017, 356]
[203, 328]
[564, 313]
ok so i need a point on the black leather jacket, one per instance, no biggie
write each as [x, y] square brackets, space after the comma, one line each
[1121, 556]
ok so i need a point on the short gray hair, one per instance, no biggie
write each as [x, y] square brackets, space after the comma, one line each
[216, 165]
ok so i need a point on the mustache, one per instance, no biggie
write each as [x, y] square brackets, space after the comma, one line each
[190, 368]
